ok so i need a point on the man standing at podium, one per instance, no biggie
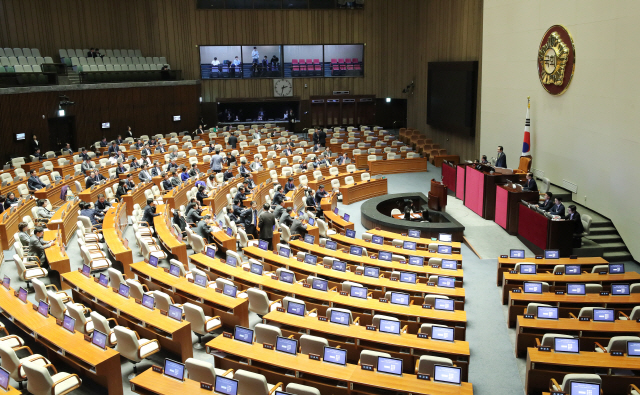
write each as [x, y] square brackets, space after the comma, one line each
[501, 160]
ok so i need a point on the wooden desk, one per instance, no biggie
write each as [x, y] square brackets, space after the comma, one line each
[507, 202]
[355, 338]
[439, 159]
[506, 264]
[136, 197]
[325, 376]
[412, 316]
[172, 335]
[413, 216]
[363, 190]
[114, 220]
[326, 180]
[178, 196]
[348, 241]
[426, 270]
[9, 227]
[57, 260]
[67, 223]
[101, 366]
[559, 282]
[337, 222]
[329, 203]
[52, 192]
[376, 285]
[569, 303]
[589, 332]
[91, 195]
[422, 243]
[13, 186]
[150, 382]
[232, 311]
[539, 233]
[169, 241]
[480, 189]
[394, 166]
[542, 366]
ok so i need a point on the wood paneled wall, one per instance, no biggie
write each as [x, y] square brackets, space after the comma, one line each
[401, 36]
[148, 110]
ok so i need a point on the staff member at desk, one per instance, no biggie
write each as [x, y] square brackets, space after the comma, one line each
[289, 186]
[298, 228]
[278, 197]
[240, 196]
[204, 230]
[37, 246]
[578, 229]
[501, 160]
[149, 213]
[557, 208]
[286, 218]
[121, 190]
[266, 222]
[548, 202]
[531, 184]
[320, 194]
[34, 182]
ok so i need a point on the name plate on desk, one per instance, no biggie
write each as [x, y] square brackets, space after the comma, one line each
[558, 393]
[435, 266]
[393, 278]
[426, 306]
[516, 290]
[206, 386]
[35, 307]
[504, 256]
[558, 273]
[306, 285]
[190, 280]
[358, 273]
[246, 269]
[218, 290]
[321, 318]
[267, 346]
[343, 293]
[371, 328]
[87, 338]
[96, 279]
[274, 277]
[603, 272]
[423, 377]
[227, 335]
[383, 300]
[423, 336]
[327, 266]
[163, 312]
[58, 322]
[315, 357]
[364, 366]
[280, 309]
[402, 262]
[585, 318]
[513, 272]
[115, 291]
[604, 293]
[539, 257]
[431, 284]
[529, 316]
[617, 353]
[157, 369]
[559, 292]
[544, 349]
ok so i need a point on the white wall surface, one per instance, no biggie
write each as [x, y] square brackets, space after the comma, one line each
[590, 134]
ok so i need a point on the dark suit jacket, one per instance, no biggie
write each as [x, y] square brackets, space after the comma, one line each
[278, 198]
[149, 213]
[316, 138]
[37, 248]
[203, 230]
[90, 182]
[579, 228]
[156, 171]
[233, 141]
[266, 222]
[121, 170]
[555, 210]
[546, 205]
[297, 227]
[112, 149]
[278, 211]
[531, 185]
[501, 161]
[310, 201]
[166, 184]
[285, 219]
[34, 183]
[288, 187]
[193, 217]
[247, 216]
[120, 191]
[322, 137]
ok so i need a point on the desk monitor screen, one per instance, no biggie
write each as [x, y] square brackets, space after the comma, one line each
[516, 254]
[346, 217]
[576, 289]
[6, 282]
[532, 288]
[335, 211]
[444, 249]
[69, 323]
[283, 393]
[286, 277]
[123, 290]
[409, 245]
[400, 298]
[572, 269]
[230, 290]
[295, 308]
[174, 369]
[335, 355]
[619, 289]
[633, 349]
[413, 233]
[256, 268]
[551, 254]
[446, 282]
[390, 326]
[99, 339]
[312, 221]
[416, 261]
[358, 292]
[446, 374]
[390, 365]
[449, 264]
[153, 260]
[174, 270]
[310, 259]
[175, 312]
[355, 250]
[200, 280]
[444, 304]
[22, 295]
[148, 301]
[527, 268]
[286, 345]
[263, 245]
[243, 334]
[442, 333]
[604, 315]
[221, 224]
[339, 317]
[350, 233]
[4, 379]
[371, 271]
[561, 344]
[616, 268]
[232, 261]
[408, 277]
[226, 386]
[377, 240]
[309, 239]
[320, 284]
[445, 237]
[284, 252]
[103, 280]
[86, 270]
[385, 256]
[332, 245]
[547, 313]
[229, 232]
[211, 252]
[578, 388]
[339, 266]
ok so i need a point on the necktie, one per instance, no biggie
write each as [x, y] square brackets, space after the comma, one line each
[254, 218]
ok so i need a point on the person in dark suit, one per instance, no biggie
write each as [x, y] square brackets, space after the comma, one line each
[286, 218]
[320, 194]
[233, 141]
[166, 183]
[175, 179]
[102, 204]
[244, 169]
[113, 148]
[84, 155]
[547, 203]
[240, 196]
[172, 165]
[266, 222]
[322, 138]
[194, 217]
[310, 200]
[129, 132]
[35, 144]
[120, 169]
[574, 215]
[278, 197]
[297, 227]
[204, 230]
[227, 175]
[160, 148]
[249, 218]
[87, 211]
[530, 184]
[91, 53]
[119, 140]
[120, 190]
[287, 150]
[144, 174]
[128, 182]
[249, 185]
[34, 182]
[501, 160]
[342, 159]
[150, 212]
[200, 130]
[91, 180]
[316, 137]
[291, 117]
[37, 246]
[103, 142]
[557, 208]
[156, 170]
[278, 211]
[201, 195]
[289, 186]
[67, 150]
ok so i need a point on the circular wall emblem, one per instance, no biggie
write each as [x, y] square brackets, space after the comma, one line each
[556, 60]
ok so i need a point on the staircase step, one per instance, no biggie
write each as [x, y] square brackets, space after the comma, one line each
[617, 256]
[611, 247]
[602, 224]
[603, 230]
[605, 238]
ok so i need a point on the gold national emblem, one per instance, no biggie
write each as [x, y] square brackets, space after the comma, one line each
[556, 60]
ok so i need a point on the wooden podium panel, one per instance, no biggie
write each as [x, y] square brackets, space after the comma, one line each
[538, 232]
[393, 166]
[506, 206]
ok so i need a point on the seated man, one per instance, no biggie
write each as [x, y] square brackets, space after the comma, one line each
[166, 182]
[102, 205]
[87, 211]
[120, 169]
[287, 218]
[42, 211]
[297, 227]
[320, 194]
[289, 186]
[203, 229]
[547, 203]
[578, 229]
[34, 182]
[557, 208]
[278, 197]
[530, 184]
[37, 246]
[227, 174]
[240, 196]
